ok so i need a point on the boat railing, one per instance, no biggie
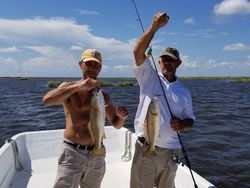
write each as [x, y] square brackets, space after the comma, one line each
[127, 156]
[17, 157]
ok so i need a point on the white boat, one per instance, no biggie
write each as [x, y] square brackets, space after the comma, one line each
[29, 159]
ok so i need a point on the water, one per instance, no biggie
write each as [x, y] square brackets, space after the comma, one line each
[218, 146]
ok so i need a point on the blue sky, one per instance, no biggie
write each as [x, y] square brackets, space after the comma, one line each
[45, 38]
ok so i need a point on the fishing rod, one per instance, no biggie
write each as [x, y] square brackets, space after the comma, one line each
[171, 114]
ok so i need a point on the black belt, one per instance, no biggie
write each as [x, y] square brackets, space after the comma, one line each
[142, 140]
[80, 146]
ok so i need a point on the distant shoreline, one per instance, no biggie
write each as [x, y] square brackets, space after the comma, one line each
[231, 78]
[182, 77]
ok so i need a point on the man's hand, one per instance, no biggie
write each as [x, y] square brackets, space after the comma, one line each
[87, 84]
[122, 112]
[181, 125]
[160, 19]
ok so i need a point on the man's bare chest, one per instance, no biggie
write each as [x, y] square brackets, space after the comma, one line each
[79, 103]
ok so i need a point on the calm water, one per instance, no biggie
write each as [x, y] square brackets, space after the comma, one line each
[218, 146]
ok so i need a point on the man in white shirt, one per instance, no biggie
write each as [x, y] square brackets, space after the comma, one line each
[176, 112]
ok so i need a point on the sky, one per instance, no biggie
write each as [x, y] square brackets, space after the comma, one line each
[45, 38]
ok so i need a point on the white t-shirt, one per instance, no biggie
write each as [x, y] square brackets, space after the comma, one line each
[179, 100]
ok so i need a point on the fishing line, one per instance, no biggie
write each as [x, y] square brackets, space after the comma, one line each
[220, 184]
[171, 114]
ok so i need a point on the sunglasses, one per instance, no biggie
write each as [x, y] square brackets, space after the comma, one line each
[167, 59]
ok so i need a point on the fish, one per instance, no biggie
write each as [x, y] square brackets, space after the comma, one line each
[152, 126]
[97, 121]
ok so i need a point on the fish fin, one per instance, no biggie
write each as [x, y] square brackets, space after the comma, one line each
[104, 136]
[149, 152]
[90, 131]
[99, 151]
[145, 129]
[96, 109]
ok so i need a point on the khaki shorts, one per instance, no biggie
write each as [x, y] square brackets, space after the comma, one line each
[78, 167]
[153, 171]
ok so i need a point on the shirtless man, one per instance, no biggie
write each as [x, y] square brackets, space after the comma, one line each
[76, 164]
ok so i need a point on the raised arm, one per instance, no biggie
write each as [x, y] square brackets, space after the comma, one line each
[160, 19]
[66, 89]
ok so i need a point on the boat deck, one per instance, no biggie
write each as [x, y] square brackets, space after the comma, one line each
[40, 172]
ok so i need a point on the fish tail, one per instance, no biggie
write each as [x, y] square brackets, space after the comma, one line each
[149, 152]
[99, 151]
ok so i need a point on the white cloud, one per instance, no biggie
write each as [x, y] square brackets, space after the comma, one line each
[187, 63]
[211, 67]
[204, 33]
[76, 48]
[232, 7]
[236, 47]
[49, 61]
[189, 21]
[123, 67]
[105, 68]
[87, 12]
[221, 66]
[223, 33]
[9, 67]
[56, 31]
[248, 61]
[211, 63]
[47, 50]
[50, 40]
[227, 65]
[10, 50]
[39, 30]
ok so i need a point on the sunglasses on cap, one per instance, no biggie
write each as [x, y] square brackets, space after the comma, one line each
[167, 58]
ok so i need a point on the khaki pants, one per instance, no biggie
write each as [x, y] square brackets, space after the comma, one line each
[78, 167]
[153, 171]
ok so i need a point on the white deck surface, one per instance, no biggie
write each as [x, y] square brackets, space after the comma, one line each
[44, 163]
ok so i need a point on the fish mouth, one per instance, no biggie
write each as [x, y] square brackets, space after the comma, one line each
[97, 89]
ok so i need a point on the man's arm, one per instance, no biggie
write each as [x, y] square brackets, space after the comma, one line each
[116, 116]
[66, 89]
[160, 19]
[181, 125]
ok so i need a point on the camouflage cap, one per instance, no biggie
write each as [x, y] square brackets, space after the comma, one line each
[172, 52]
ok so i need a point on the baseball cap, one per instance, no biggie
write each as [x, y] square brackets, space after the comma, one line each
[172, 52]
[91, 55]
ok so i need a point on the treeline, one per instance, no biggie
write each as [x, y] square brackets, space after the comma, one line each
[52, 83]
